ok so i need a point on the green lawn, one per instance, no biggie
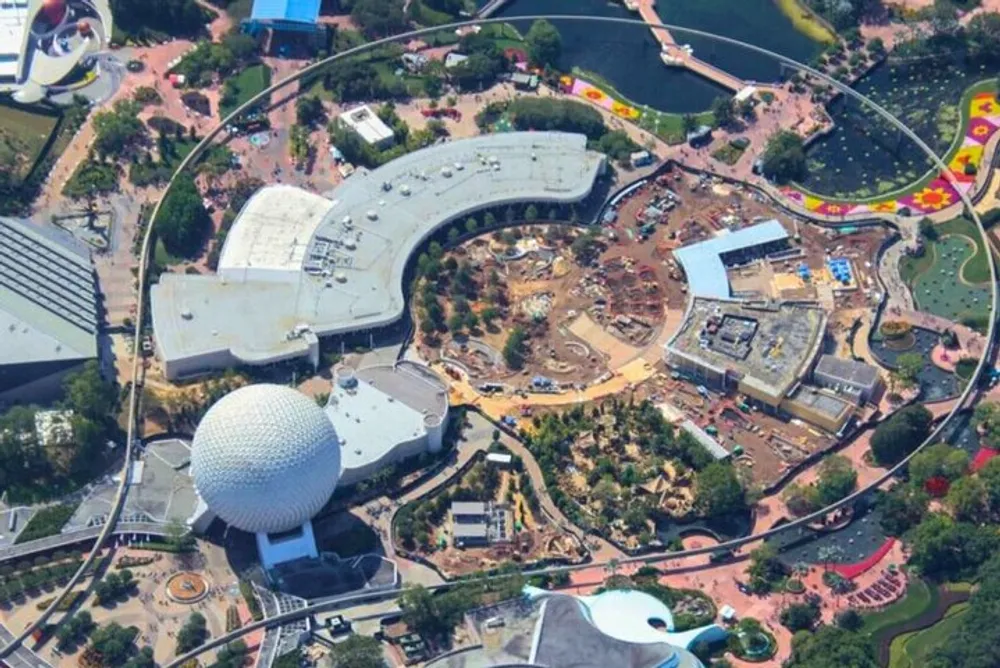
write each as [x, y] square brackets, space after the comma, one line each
[247, 83]
[919, 599]
[910, 267]
[23, 134]
[976, 270]
[911, 650]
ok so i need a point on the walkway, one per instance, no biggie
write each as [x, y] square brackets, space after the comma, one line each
[22, 656]
[682, 56]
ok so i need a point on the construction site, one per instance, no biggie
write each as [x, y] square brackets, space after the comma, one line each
[516, 528]
[585, 313]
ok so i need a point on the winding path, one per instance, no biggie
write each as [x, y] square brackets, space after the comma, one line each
[134, 394]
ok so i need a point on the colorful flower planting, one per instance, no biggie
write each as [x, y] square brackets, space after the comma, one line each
[984, 120]
[592, 93]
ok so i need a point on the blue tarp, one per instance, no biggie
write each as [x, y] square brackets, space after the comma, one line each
[305, 11]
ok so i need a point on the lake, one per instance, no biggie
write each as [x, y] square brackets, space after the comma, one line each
[629, 57]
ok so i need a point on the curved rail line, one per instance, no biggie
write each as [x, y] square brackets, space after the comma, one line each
[969, 392]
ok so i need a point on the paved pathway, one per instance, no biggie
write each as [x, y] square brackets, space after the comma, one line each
[22, 656]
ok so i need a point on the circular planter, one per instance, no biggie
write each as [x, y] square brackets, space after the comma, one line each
[186, 587]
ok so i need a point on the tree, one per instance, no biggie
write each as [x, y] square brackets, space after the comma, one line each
[718, 491]
[119, 130]
[113, 643]
[837, 479]
[982, 36]
[832, 647]
[938, 460]
[192, 634]
[723, 111]
[900, 434]
[379, 18]
[514, 350]
[967, 499]
[943, 17]
[689, 123]
[850, 620]
[89, 394]
[986, 419]
[530, 213]
[139, 18]
[799, 617]
[943, 549]
[309, 110]
[358, 651]
[902, 507]
[908, 365]
[784, 157]
[765, 568]
[471, 226]
[801, 499]
[544, 44]
[183, 221]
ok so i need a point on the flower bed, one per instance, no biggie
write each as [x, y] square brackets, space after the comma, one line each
[927, 196]
[592, 93]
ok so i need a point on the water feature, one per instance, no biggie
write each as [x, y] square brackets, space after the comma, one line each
[936, 384]
[629, 58]
[864, 156]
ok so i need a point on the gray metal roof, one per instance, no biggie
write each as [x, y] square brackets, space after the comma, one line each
[350, 274]
[705, 439]
[469, 530]
[848, 371]
[468, 508]
[48, 298]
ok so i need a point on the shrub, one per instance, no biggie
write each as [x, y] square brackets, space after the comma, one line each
[894, 329]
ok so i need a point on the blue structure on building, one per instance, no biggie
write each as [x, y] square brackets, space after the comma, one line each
[284, 15]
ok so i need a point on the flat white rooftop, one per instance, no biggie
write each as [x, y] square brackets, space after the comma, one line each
[347, 275]
[13, 24]
[385, 407]
[366, 123]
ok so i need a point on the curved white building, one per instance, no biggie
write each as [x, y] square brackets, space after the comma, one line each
[297, 266]
[265, 459]
[384, 414]
[42, 41]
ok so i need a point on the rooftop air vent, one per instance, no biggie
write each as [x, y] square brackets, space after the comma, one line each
[372, 214]
[405, 189]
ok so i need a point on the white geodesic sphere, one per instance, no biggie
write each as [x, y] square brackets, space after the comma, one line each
[265, 458]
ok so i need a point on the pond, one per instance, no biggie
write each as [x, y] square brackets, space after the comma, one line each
[856, 542]
[721, 529]
[936, 384]
[864, 156]
[629, 58]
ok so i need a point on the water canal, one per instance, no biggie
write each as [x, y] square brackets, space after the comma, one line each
[629, 57]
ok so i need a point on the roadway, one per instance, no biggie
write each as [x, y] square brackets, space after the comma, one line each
[133, 397]
[61, 540]
[23, 657]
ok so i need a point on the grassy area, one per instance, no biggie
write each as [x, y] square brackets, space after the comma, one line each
[806, 21]
[910, 266]
[46, 522]
[668, 127]
[919, 599]
[731, 152]
[24, 132]
[977, 268]
[162, 257]
[247, 84]
[987, 86]
[965, 368]
[911, 650]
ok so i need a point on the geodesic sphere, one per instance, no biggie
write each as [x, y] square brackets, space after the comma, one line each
[265, 458]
